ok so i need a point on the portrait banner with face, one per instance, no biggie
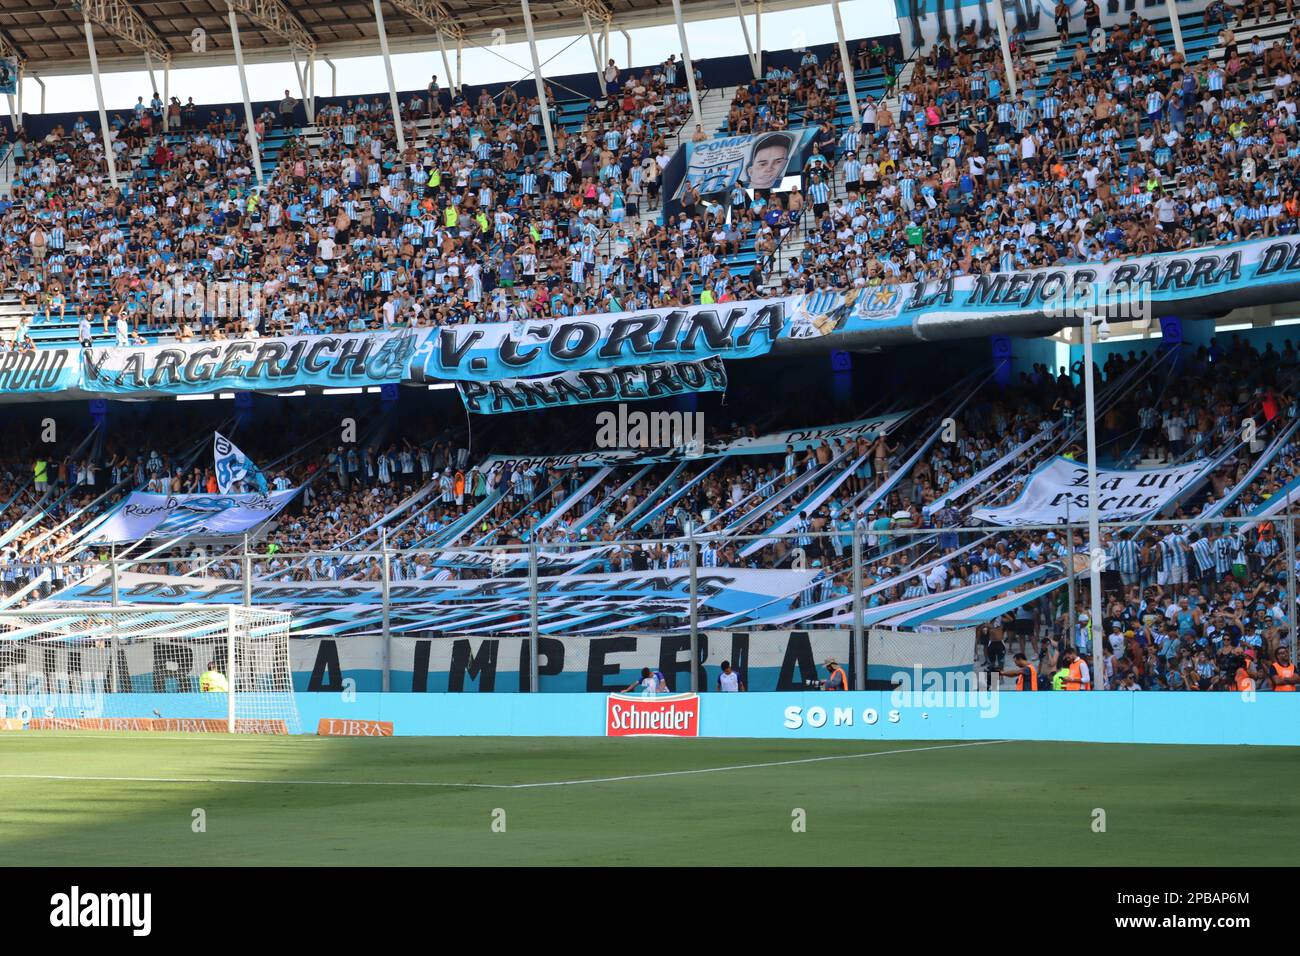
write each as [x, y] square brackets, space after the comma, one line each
[760, 161]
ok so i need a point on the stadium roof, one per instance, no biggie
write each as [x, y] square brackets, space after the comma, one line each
[48, 35]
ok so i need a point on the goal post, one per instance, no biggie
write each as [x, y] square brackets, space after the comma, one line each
[147, 667]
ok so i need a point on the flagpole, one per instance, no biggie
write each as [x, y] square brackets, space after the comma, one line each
[1094, 531]
[1069, 571]
[1290, 579]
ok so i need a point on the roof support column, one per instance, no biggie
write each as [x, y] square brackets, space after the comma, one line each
[16, 101]
[392, 87]
[687, 64]
[1000, 18]
[301, 70]
[749, 48]
[850, 81]
[253, 144]
[758, 38]
[537, 76]
[595, 53]
[446, 66]
[109, 158]
[1172, 7]
[148, 65]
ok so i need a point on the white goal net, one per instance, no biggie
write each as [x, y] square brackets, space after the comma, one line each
[220, 669]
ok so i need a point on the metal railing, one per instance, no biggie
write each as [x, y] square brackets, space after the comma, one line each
[1187, 616]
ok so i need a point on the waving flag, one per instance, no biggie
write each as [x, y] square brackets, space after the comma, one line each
[233, 466]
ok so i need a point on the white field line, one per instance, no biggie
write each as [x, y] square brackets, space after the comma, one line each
[495, 786]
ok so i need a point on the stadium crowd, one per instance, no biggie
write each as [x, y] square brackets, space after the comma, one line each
[474, 221]
[1182, 595]
[1130, 150]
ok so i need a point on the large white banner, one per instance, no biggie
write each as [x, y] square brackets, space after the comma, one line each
[765, 661]
[145, 515]
[1058, 491]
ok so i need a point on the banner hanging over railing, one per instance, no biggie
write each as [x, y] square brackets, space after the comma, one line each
[493, 351]
[40, 370]
[1213, 280]
[143, 515]
[349, 360]
[1205, 281]
[772, 443]
[569, 604]
[764, 660]
[1058, 491]
[626, 384]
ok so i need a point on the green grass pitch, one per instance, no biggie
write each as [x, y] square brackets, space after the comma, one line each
[124, 800]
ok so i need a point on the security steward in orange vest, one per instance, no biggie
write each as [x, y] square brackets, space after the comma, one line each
[1244, 680]
[836, 678]
[1025, 673]
[1076, 680]
[1282, 672]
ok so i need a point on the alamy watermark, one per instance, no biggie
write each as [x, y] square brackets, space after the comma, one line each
[924, 690]
[75, 909]
[1111, 302]
[626, 430]
[179, 297]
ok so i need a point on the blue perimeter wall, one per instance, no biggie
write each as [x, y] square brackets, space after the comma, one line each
[1113, 717]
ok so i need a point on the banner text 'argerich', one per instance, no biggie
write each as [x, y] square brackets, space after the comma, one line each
[354, 359]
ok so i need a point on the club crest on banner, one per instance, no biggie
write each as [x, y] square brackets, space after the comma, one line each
[816, 314]
[876, 302]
